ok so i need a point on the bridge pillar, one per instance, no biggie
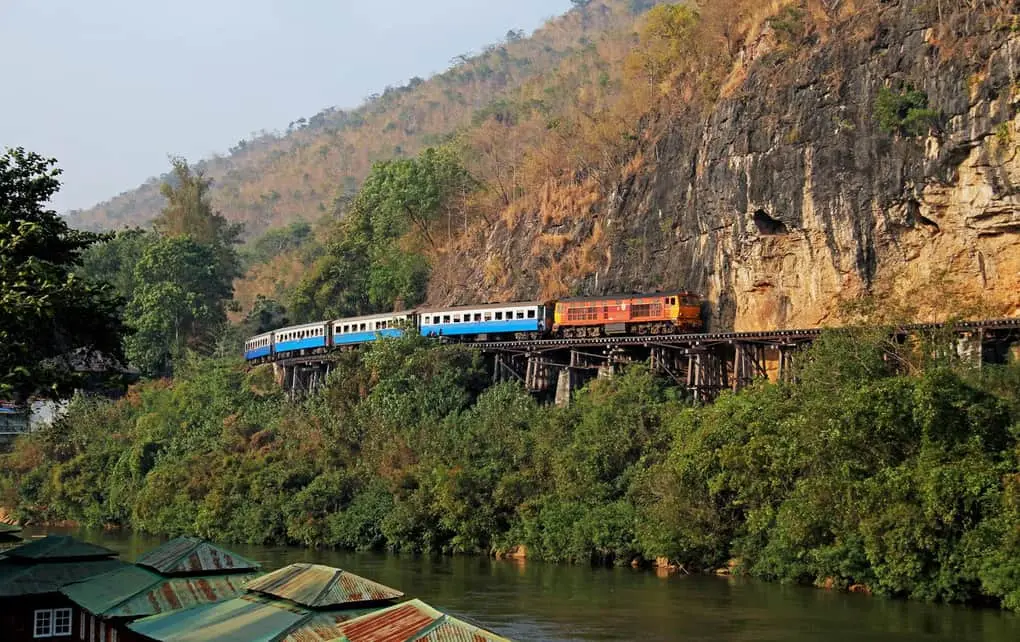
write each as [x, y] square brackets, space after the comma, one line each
[970, 348]
[564, 387]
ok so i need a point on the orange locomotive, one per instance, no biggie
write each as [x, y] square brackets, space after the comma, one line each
[637, 314]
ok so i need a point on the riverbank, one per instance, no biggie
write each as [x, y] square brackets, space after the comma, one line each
[880, 469]
[543, 602]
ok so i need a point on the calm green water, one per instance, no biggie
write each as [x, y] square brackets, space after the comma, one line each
[535, 601]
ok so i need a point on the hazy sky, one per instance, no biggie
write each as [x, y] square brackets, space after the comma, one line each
[110, 87]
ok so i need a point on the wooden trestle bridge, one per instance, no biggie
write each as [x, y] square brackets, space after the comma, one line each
[705, 363]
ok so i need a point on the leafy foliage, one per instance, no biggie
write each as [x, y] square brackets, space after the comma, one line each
[46, 310]
[375, 260]
[178, 301]
[857, 475]
[175, 280]
[905, 113]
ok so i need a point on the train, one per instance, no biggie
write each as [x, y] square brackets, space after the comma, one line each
[660, 313]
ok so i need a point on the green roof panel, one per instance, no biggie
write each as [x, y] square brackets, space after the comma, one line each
[54, 548]
[192, 555]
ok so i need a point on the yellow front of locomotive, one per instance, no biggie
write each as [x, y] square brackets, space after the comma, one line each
[686, 313]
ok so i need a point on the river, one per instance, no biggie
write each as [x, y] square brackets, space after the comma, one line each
[536, 601]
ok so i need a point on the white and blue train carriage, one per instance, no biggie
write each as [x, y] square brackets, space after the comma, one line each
[310, 336]
[258, 347]
[487, 322]
[367, 328]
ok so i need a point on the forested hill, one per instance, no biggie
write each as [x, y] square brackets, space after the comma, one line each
[277, 178]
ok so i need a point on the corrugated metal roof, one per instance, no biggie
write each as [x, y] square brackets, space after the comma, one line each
[19, 578]
[250, 618]
[321, 627]
[134, 592]
[243, 619]
[102, 592]
[194, 555]
[59, 547]
[410, 622]
[183, 593]
[318, 587]
[9, 528]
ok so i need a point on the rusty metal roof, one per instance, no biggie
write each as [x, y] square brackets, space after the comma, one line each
[320, 587]
[54, 548]
[133, 592]
[412, 621]
[321, 627]
[249, 618]
[20, 578]
[194, 555]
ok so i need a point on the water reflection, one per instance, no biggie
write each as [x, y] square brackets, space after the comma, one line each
[535, 601]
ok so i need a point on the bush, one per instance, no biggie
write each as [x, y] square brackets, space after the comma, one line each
[904, 113]
[857, 474]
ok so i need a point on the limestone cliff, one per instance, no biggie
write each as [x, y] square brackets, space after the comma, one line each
[785, 195]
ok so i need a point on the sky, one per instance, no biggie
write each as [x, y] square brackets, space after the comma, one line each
[111, 87]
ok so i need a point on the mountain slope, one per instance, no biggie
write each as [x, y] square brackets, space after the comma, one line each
[276, 179]
[829, 151]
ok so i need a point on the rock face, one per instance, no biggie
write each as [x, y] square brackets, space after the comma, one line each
[786, 195]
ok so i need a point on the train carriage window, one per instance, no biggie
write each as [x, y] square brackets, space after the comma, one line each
[520, 314]
[446, 318]
[478, 316]
[499, 316]
[456, 318]
[363, 327]
[488, 316]
[531, 313]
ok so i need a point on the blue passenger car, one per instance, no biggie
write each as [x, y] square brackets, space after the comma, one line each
[300, 337]
[484, 321]
[363, 329]
[258, 347]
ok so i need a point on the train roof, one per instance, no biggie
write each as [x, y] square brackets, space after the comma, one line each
[483, 306]
[303, 326]
[632, 295]
[374, 317]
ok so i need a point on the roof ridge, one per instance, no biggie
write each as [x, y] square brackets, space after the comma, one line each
[337, 572]
[431, 626]
[195, 543]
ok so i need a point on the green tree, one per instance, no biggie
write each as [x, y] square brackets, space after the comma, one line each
[372, 262]
[188, 212]
[904, 112]
[46, 310]
[114, 260]
[412, 191]
[664, 42]
[266, 314]
[179, 302]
